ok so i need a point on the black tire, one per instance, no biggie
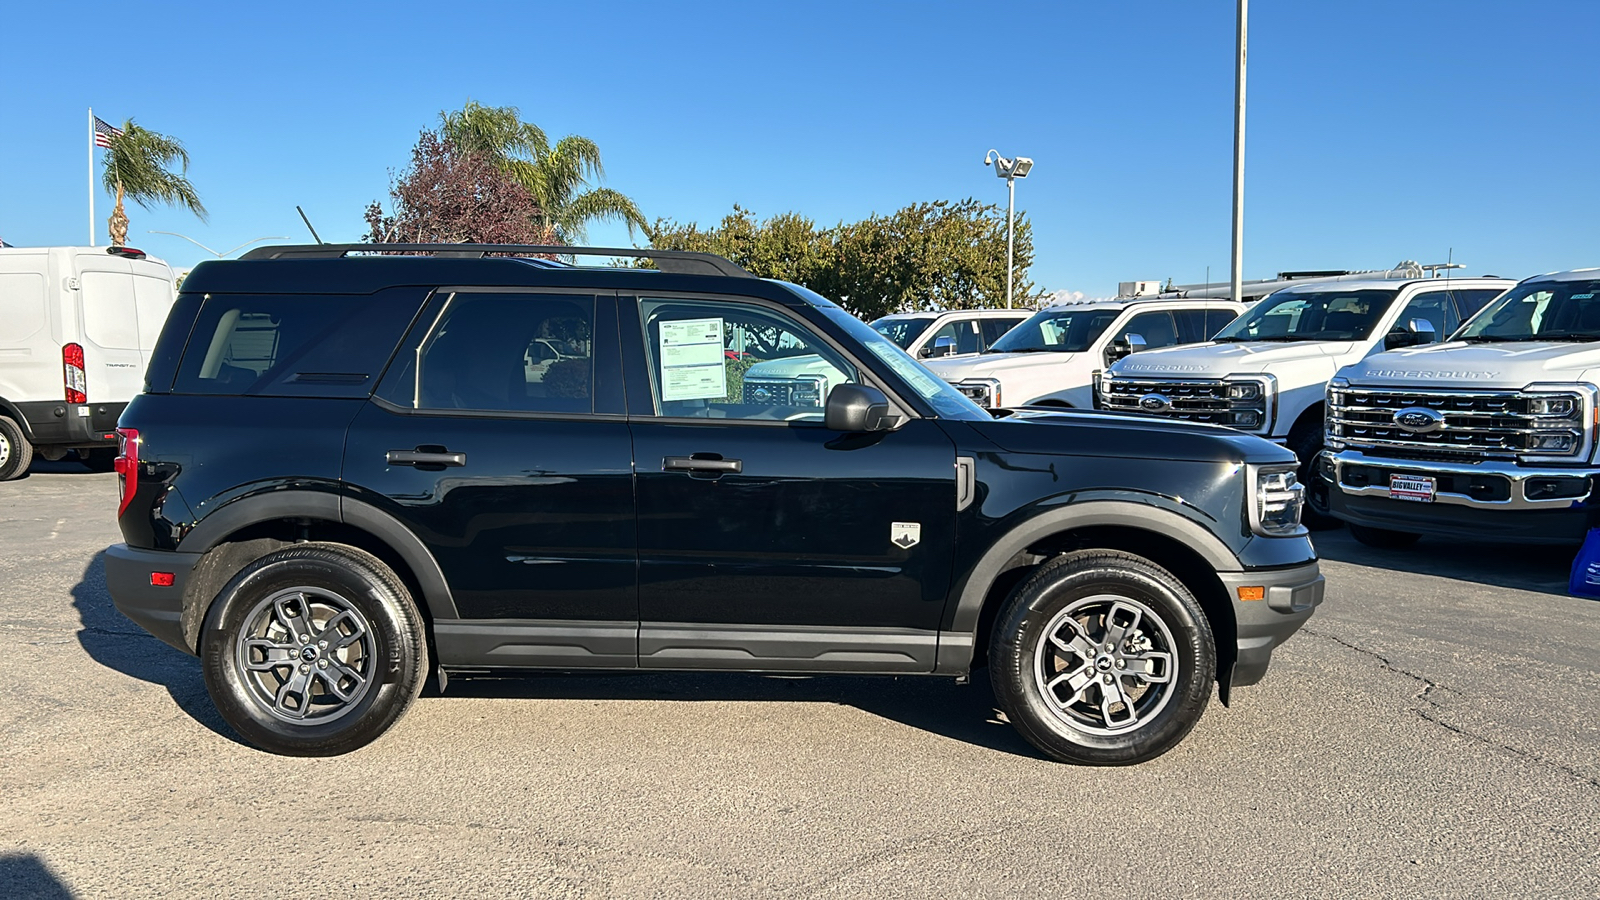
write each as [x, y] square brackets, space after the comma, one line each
[98, 459]
[1096, 591]
[16, 454]
[376, 651]
[1317, 514]
[1383, 538]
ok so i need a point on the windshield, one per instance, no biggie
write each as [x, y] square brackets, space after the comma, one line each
[1310, 316]
[1056, 331]
[946, 401]
[902, 331]
[1540, 311]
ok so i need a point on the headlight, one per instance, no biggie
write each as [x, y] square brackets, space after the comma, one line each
[1250, 402]
[1555, 407]
[1560, 419]
[1276, 497]
[1332, 431]
[983, 391]
[1244, 390]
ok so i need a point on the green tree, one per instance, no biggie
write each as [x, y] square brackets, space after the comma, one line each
[556, 175]
[939, 255]
[139, 165]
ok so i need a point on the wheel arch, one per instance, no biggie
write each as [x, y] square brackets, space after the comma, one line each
[10, 411]
[1310, 418]
[246, 529]
[1181, 546]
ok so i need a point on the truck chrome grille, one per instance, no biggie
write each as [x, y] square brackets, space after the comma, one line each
[1193, 401]
[1461, 426]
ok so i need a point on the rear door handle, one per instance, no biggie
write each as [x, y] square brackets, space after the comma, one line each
[692, 464]
[424, 458]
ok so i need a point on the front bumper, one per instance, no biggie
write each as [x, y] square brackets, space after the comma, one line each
[1290, 597]
[158, 610]
[1489, 499]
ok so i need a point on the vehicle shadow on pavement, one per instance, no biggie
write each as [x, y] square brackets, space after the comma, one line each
[1526, 567]
[116, 643]
[965, 713]
[26, 875]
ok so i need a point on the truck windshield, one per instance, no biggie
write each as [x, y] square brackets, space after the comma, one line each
[946, 401]
[1056, 331]
[902, 331]
[1540, 311]
[1310, 316]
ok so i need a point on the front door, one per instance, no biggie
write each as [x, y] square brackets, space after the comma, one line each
[498, 438]
[767, 541]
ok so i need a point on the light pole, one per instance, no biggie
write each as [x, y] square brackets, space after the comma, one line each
[1010, 170]
[1240, 55]
[215, 253]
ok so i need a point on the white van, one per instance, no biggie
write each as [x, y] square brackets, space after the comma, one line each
[77, 325]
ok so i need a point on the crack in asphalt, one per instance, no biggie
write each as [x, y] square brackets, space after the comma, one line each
[1426, 713]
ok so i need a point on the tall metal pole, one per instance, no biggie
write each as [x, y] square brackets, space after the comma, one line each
[1011, 231]
[1238, 153]
[91, 176]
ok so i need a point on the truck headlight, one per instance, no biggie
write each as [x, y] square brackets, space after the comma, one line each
[983, 391]
[1276, 498]
[1250, 402]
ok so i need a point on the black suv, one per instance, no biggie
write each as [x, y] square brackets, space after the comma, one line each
[349, 470]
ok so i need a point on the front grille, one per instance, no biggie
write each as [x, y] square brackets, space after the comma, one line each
[1468, 425]
[783, 391]
[1194, 401]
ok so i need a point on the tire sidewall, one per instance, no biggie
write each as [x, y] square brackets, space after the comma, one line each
[19, 453]
[1038, 602]
[397, 649]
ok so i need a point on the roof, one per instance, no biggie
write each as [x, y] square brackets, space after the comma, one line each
[1126, 302]
[1569, 275]
[1381, 284]
[935, 313]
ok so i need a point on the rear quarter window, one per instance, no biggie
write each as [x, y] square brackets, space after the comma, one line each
[294, 345]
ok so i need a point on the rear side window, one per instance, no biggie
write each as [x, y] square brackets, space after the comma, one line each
[295, 345]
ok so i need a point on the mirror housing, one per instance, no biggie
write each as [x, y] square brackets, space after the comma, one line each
[1416, 333]
[857, 408]
[1424, 331]
[1126, 345]
[943, 346]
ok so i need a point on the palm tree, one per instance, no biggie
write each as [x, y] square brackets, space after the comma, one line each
[139, 164]
[556, 176]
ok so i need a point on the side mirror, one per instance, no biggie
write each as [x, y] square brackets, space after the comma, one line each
[943, 346]
[856, 408]
[1123, 346]
[1424, 331]
[1416, 333]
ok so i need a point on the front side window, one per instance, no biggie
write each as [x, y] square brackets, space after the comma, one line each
[1435, 307]
[993, 329]
[1540, 311]
[1056, 331]
[1311, 316]
[1157, 329]
[713, 359]
[903, 331]
[501, 352]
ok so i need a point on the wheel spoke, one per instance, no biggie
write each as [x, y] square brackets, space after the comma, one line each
[1121, 620]
[298, 686]
[1154, 667]
[265, 654]
[337, 639]
[336, 673]
[1079, 680]
[1079, 645]
[292, 612]
[1111, 695]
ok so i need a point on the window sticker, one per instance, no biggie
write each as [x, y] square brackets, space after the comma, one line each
[692, 360]
[1581, 296]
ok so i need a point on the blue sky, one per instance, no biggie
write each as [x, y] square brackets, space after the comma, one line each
[1378, 131]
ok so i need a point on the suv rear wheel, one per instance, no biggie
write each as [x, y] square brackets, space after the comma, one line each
[1103, 658]
[313, 650]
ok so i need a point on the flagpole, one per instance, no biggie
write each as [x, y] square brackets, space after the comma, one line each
[91, 176]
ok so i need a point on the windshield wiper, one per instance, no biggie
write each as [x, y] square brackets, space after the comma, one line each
[1020, 350]
[1518, 339]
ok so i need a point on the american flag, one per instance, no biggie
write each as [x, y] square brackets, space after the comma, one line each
[104, 132]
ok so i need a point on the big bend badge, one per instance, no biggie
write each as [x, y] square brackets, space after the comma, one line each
[905, 535]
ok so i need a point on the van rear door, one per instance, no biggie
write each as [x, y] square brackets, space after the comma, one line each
[108, 310]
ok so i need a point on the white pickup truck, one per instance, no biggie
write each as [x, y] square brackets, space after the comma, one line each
[1267, 372]
[1052, 358]
[1489, 436]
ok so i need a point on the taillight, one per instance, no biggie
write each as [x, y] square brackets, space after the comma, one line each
[72, 371]
[126, 466]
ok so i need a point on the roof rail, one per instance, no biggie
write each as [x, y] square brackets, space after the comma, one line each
[680, 262]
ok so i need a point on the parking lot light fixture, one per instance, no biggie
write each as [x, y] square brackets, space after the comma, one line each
[1010, 170]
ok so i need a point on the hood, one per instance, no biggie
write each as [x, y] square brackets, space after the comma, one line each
[990, 364]
[1129, 436]
[1459, 364]
[1214, 360]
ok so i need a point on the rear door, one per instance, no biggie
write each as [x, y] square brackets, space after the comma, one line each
[498, 438]
[108, 310]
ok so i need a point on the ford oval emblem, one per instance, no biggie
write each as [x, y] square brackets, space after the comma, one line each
[1154, 403]
[1419, 419]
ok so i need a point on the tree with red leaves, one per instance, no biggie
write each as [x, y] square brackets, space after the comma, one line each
[451, 196]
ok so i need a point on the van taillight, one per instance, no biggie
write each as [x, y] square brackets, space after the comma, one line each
[72, 371]
[126, 466]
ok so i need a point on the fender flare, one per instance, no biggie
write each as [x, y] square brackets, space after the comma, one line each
[14, 414]
[1154, 519]
[317, 504]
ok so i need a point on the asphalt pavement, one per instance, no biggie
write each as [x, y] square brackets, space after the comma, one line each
[1432, 733]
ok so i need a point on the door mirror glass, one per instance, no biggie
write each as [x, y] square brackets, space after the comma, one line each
[857, 408]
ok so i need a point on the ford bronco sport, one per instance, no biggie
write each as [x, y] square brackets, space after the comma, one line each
[344, 474]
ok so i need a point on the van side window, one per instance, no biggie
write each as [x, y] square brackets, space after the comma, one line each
[294, 345]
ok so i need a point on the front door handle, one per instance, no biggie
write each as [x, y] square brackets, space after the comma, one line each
[701, 462]
[424, 458]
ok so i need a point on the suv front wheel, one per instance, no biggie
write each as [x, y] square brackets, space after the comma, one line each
[1103, 658]
[313, 650]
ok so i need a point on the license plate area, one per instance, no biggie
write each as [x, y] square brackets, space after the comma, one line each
[1415, 488]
